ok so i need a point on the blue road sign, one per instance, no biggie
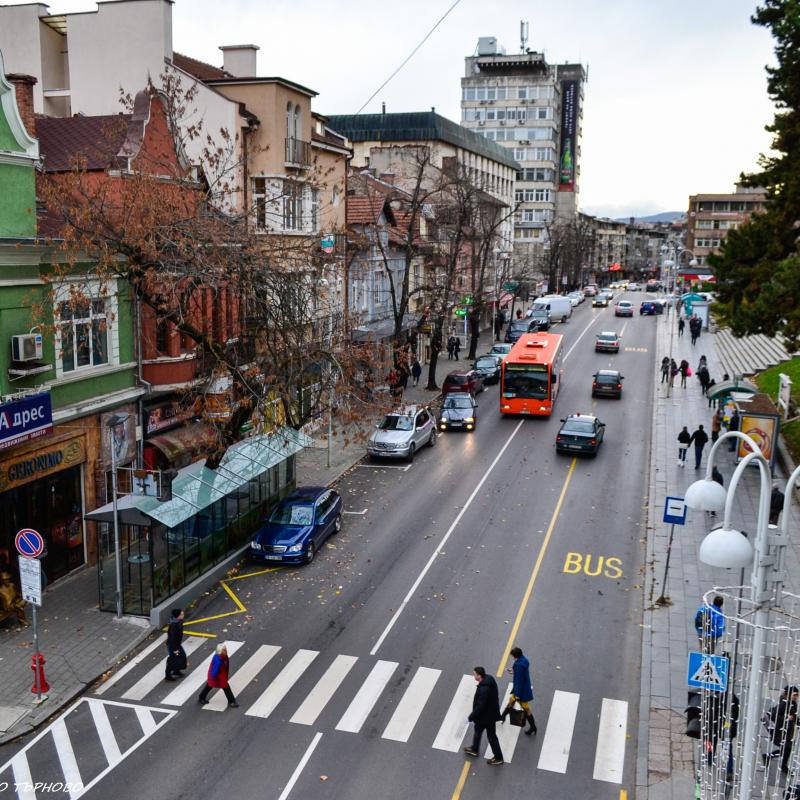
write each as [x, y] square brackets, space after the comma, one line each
[707, 672]
[675, 511]
[29, 543]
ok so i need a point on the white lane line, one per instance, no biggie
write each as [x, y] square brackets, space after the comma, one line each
[406, 468]
[104, 730]
[320, 695]
[280, 687]
[121, 673]
[66, 757]
[622, 332]
[242, 676]
[195, 680]
[575, 343]
[454, 726]
[300, 767]
[411, 704]
[507, 734]
[155, 676]
[609, 758]
[146, 720]
[438, 547]
[366, 697]
[554, 754]
[357, 513]
[22, 776]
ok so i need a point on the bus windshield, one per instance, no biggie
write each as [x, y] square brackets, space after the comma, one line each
[526, 380]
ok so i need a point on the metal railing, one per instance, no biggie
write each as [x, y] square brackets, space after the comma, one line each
[298, 153]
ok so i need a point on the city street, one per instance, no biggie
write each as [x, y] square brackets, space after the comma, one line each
[354, 674]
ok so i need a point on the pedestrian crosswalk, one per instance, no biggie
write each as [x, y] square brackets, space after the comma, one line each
[303, 686]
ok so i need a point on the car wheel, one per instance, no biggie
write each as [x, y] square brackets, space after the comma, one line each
[312, 551]
[337, 525]
[564, 318]
[411, 449]
[432, 439]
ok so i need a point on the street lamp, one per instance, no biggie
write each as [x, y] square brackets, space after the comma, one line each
[672, 267]
[727, 547]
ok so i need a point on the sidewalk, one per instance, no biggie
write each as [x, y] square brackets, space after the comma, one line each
[80, 642]
[665, 763]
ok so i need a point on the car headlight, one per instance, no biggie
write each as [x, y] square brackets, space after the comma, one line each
[294, 548]
[469, 419]
[255, 545]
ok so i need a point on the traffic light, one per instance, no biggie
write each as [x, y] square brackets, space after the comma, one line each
[693, 711]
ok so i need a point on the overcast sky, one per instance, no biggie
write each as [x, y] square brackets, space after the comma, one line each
[675, 103]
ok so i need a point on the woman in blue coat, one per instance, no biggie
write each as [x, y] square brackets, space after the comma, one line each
[522, 691]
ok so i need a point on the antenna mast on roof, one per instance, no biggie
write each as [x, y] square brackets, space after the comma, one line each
[523, 35]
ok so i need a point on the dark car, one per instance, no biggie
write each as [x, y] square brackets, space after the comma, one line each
[469, 381]
[518, 327]
[607, 342]
[652, 286]
[458, 412]
[607, 383]
[601, 300]
[539, 320]
[580, 433]
[489, 367]
[651, 307]
[298, 526]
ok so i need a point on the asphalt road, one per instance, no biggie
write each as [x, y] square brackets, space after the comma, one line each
[488, 540]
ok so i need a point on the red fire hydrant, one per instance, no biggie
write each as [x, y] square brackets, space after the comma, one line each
[40, 683]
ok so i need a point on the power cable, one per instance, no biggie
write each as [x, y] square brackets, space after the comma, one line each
[409, 56]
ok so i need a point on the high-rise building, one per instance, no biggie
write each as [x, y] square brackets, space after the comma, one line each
[535, 110]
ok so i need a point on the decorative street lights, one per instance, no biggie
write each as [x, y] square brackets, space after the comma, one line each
[727, 547]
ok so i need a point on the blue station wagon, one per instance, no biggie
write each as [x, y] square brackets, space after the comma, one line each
[298, 526]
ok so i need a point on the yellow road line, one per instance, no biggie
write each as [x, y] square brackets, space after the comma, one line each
[462, 779]
[623, 794]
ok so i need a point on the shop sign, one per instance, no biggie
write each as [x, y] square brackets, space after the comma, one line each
[33, 466]
[26, 418]
[170, 415]
[328, 243]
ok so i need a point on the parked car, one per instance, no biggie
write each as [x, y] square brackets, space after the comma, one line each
[601, 300]
[589, 291]
[580, 433]
[458, 412]
[624, 309]
[501, 349]
[540, 320]
[489, 367]
[298, 526]
[634, 287]
[520, 326]
[607, 383]
[403, 432]
[651, 307]
[469, 381]
[652, 286]
[607, 342]
[579, 297]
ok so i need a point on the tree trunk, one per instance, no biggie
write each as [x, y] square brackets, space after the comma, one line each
[436, 348]
[474, 332]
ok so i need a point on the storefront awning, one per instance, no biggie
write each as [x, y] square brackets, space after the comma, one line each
[196, 487]
[182, 445]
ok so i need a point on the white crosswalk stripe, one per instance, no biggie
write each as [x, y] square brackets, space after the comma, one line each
[454, 726]
[412, 704]
[105, 732]
[320, 695]
[195, 680]
[358, 710]
[243, 676]
[609, 757]
[155, 676]
[554, 754]
[280, 687]
[66, 757]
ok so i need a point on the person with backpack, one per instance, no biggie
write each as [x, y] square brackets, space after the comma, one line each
[709, 623]
[684, 440]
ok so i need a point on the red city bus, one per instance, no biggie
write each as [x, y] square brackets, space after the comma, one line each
[530, 378]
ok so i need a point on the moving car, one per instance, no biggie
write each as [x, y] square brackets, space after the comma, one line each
[652, 286]
[634, 287]
[590, 290]
[458, 412]
[556, 305]
[580, 433]
[469, 381]
[501, 349]
[607, 342]
[525, 325]
[601, 300]
[624, 309]
[651, 307]
[489, 367]
[607, 383]
[541, 318]
[403, 432]
[298, 526]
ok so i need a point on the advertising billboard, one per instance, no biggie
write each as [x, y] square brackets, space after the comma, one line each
[569, 136]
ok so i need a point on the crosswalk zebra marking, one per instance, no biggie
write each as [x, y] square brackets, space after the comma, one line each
[326, 687]
[411, 704]
[280, 687]
[66, 757]
[507, 734]
[22, 776]
[123, 671]
[609, 759]
[107, 740]
[366, 697]
[454, 725]
[243, 676]
[195, 680]
[554, 754]
[155, 676]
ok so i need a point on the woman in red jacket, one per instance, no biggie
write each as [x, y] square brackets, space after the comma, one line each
[218, 677]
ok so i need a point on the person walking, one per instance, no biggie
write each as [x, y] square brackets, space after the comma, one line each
[709, 622]
[685, 371]
[704, 376]
[681, 326]
[484, 716]
[716, 475]
[665, 369]
[775, 505]
[684, 440]
[176, 655]
[673, 371]
[700, 439]
[733, 425]
[694, 328]
[451, 345]
[709, 392]
[522, 690]
[456, 347]
[218, 671]
[783, 718]
[703, 362]
[416, 371]
[716, 425]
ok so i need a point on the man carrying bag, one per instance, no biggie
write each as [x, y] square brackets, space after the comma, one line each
[176, 655]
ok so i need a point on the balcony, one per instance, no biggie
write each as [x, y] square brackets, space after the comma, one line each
[298, 154]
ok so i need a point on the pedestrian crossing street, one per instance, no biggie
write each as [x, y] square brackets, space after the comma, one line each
[356, 684]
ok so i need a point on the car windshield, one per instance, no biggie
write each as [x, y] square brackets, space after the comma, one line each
[600, 378]
[522, 380]
[457, 402]
[578, 426]
[395, 422]
[486, 363]
[607, 337]
[458, 380]
[520, 325]
[288, 514]
[501, 348]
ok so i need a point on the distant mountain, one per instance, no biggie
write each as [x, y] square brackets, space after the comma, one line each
[664, 216]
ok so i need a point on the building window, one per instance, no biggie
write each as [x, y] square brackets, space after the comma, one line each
[535, 174]
[534, 92]
[541, 195]
[82, 333]
[485, 93]
[260, 202]
[292, 206]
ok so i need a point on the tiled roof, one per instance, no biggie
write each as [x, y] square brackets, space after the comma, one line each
[97, 139]
[364, 210]
[200, 70]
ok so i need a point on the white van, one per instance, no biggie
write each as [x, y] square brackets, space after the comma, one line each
[558, 306]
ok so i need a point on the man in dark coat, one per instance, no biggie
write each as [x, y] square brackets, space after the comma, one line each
[700, 439]
[484, 716]
[176, 655]
[784, 720]
[775, 505]
[522, 691]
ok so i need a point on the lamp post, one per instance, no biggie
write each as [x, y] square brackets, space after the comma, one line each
[729, 548]
[672, 268]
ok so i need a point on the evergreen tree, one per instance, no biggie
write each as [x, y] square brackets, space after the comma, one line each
[758, 269]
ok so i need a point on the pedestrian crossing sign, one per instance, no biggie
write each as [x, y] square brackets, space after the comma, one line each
[707, 672]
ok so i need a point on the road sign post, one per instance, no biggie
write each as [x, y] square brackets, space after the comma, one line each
[675, 514]
[30, 545]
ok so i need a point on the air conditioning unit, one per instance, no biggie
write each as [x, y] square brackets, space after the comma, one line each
[524, 141]
[481, 122]
[520, 121]
[502, 122]
[26, 347]
[483, 102]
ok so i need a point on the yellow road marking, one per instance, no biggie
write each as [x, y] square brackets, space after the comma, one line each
[623, 794]
[461, 781]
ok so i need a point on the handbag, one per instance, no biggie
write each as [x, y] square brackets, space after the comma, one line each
[516, 716]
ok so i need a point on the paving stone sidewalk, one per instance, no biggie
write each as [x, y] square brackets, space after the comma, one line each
[665, 763]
